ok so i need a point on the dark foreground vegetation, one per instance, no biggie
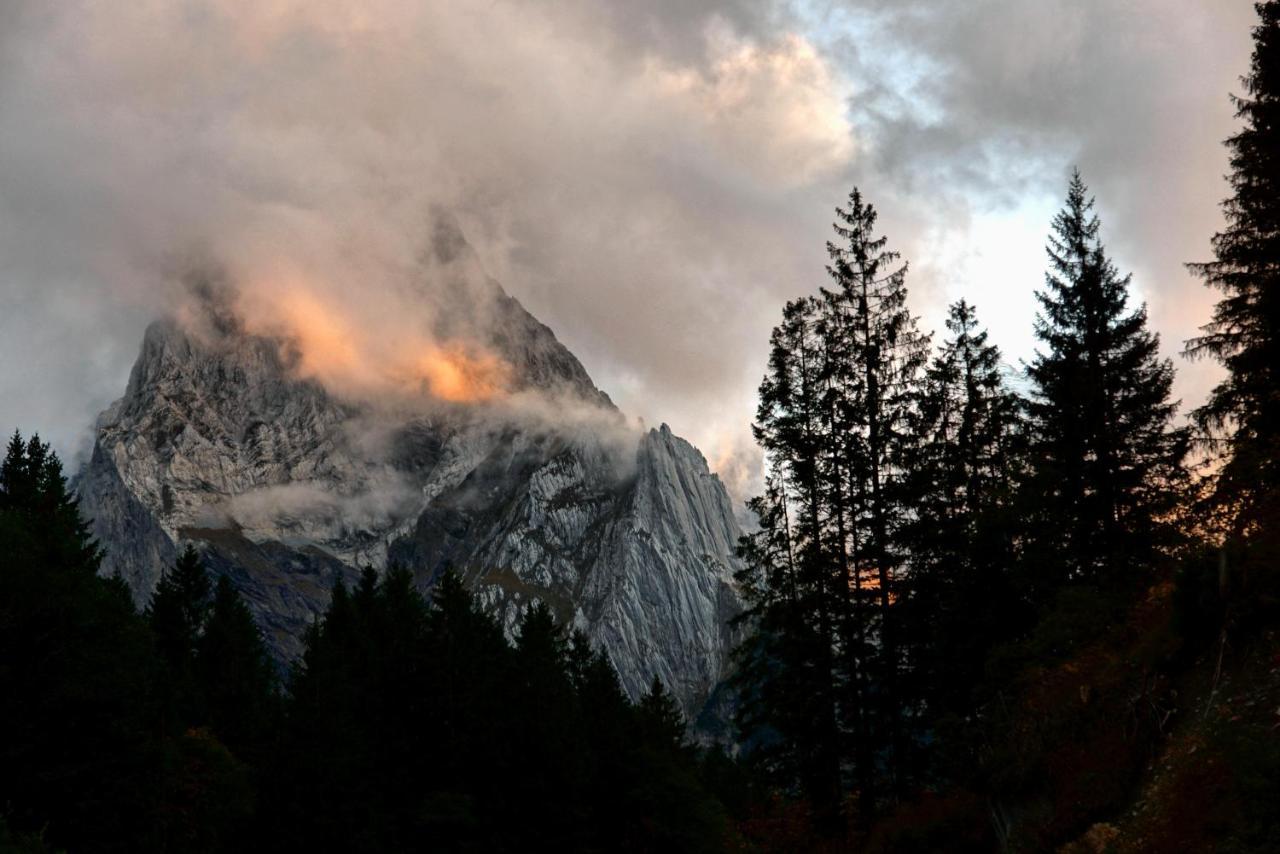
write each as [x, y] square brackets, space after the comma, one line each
[995, 612]
[984, 613]
[408, 725]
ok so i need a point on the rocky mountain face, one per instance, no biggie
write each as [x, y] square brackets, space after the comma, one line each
[546, 496]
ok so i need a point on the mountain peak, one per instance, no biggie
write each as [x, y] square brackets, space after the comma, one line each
[545, 496]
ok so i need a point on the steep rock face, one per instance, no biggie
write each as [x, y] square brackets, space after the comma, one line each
[677, 516]
[286, 489]
[641, 558]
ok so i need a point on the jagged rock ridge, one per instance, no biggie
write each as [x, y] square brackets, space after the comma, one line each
[285, 488]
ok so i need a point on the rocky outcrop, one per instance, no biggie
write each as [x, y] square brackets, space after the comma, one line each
[625, 533]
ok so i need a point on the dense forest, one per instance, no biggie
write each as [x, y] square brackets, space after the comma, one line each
[988, 608]
[408, 725]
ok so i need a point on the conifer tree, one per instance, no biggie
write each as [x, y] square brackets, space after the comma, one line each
[33, 488]
[76, 672]
[1241, 420]
[822, 669]
[1106, 460]
[179, 609]
[177, 614]
[550, 759]
[961, 536]
[780, 693]
[470, 669]
[660, 718]
[236, 677]
[791, 572]
[322, 775]
[606, 733]
[875, 370]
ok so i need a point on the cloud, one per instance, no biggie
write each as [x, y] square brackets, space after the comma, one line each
[984, 106]
[302, 508]
[299, 149]
[652, 180]
[776, 112]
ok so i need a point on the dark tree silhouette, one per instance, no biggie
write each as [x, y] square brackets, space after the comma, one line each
[177, 613]
[824, 668]
[1240, 423]
[1106, 460]
[236, 677]
[962, 536]
[77, 758]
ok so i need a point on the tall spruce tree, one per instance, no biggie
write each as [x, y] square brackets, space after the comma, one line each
[236, 677]
[821, 671]
[961, 536]
[875, 363]
[790, 576]
[1106, 460]
[1241, 420]
[33, 490]
[968, 424]
[180, 607]
[177, 613]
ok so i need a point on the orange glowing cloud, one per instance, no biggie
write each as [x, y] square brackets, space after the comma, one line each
[463, 374]
[325, 342]
[362, 355]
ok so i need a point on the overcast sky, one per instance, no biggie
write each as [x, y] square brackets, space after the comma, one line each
[653, 180]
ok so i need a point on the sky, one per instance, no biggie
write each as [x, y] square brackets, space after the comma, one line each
[652, 180]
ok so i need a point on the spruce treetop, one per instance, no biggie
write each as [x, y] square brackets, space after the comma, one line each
[1240, 423]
